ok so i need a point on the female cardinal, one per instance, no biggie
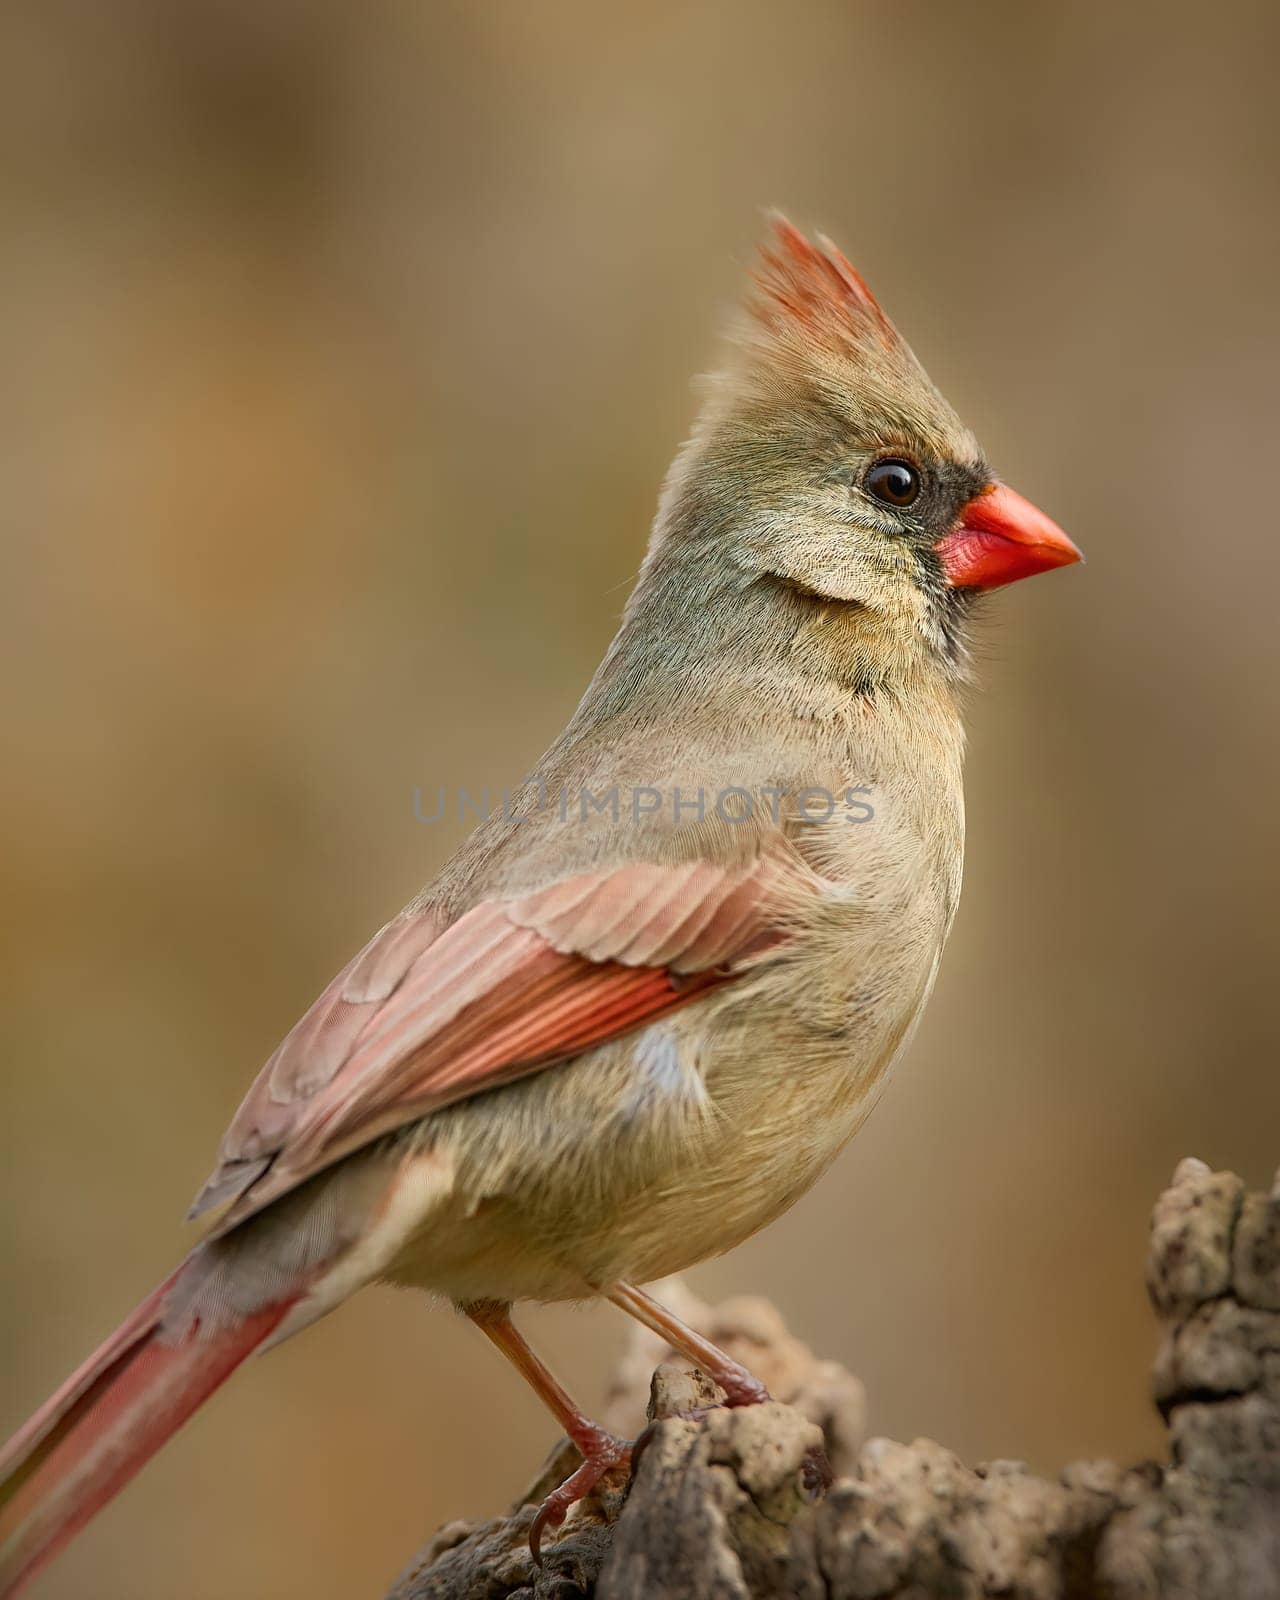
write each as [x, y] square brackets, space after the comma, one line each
[641, 1011]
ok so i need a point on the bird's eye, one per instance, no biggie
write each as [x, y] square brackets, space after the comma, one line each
[897, 483]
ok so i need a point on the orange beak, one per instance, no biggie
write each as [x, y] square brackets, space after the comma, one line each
[1000, 538]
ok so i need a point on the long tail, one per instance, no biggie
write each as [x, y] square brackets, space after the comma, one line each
[110, 1418]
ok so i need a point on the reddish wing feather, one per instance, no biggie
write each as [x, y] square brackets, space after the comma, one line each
[423, 1016]
[426, 1015]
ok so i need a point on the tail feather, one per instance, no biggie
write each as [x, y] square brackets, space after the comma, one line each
[32, 1443]
[108, 1420]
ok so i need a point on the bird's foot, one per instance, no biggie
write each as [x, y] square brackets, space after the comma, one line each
[601, 1453]
[816, 1475]
[695, 1392]
[693, 1396]
[739, 1387]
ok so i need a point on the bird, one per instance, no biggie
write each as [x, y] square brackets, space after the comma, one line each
[644, 1007]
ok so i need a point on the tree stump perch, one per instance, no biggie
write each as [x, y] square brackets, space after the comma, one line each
[728, 1505]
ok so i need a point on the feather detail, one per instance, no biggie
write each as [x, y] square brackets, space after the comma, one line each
[427, 1015]
[818, 288]
[107, 1421]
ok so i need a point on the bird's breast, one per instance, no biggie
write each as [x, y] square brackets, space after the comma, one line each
[675, 1143]
[671, 1144]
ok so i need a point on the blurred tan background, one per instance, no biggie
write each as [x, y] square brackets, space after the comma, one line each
[344, 350]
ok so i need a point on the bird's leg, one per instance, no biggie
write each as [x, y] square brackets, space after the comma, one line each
[601, 1451]
[740, 1388]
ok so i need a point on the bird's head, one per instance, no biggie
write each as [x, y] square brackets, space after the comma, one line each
[826, 461]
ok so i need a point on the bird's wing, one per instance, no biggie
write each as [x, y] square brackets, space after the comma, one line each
[428, 1014]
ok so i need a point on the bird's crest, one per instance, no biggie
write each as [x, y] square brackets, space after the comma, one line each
[813, 289]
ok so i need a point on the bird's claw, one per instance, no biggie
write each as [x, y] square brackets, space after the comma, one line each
[741, 1389]
[600, 1456]
[816, 1476]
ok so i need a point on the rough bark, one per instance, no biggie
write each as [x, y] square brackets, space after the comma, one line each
[726, 1504]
